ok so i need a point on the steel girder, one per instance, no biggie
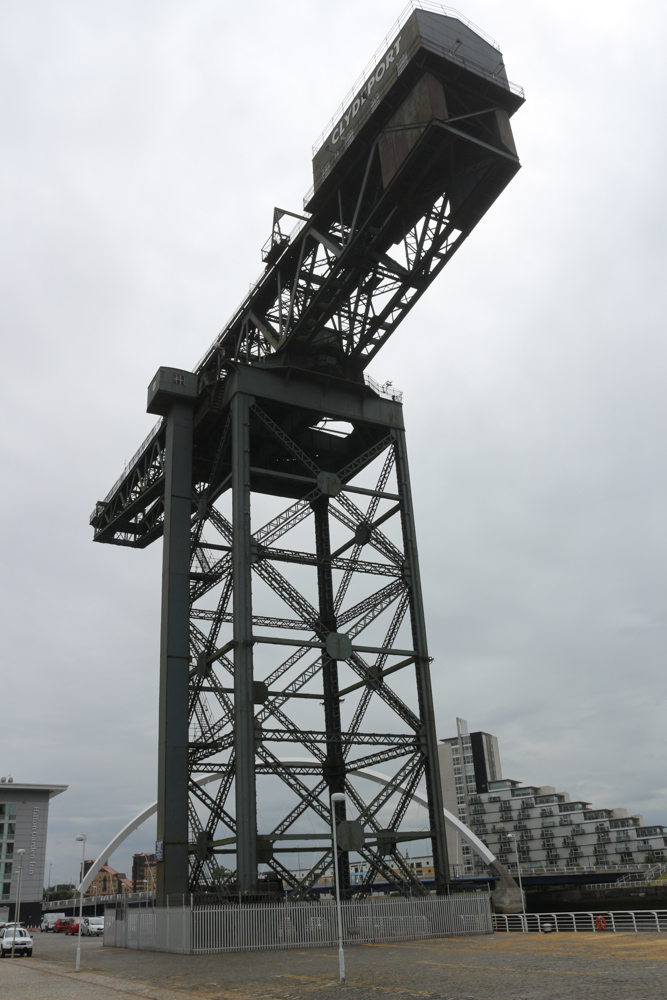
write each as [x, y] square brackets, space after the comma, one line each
[249, 685]
[330, 298]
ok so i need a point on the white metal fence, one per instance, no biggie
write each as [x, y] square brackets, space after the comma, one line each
[591, 920]
[205, 929]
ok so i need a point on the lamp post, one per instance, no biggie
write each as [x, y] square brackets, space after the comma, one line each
[337, 797]
[20, 852]
[518, 868]
[82, 838]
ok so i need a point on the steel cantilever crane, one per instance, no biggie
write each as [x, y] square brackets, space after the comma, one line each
[281, 405]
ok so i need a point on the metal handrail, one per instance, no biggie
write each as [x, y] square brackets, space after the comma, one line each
[619, 884]
[148, 440]
[595, 920]
[88, 899]
[558, 869]
[387, 391]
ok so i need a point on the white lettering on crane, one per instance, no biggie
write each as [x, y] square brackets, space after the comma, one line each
[365, 93]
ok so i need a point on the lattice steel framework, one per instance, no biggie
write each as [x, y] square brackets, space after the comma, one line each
[323, 637]
[436, 150]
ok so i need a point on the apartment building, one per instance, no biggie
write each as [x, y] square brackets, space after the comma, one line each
[107, 882]
[144, 872]
[541, 825]
[468, 762]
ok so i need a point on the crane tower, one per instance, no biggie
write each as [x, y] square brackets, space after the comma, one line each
[288, 626]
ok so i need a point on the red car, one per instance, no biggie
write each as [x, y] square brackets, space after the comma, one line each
[73, 928]
[63, 924]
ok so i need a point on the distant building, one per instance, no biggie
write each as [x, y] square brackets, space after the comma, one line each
[24, 813]
[468, 762]
[545, 825]
[422, 868]
[107, 882]
[144, 873]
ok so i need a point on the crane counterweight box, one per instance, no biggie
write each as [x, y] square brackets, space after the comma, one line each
[435, 70]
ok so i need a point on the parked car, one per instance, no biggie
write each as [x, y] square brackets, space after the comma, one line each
[49, 919]
[62, 924]
[73, 927]
[92, 926]
[19, 938]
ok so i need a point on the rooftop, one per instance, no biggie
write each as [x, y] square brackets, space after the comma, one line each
[9, 785]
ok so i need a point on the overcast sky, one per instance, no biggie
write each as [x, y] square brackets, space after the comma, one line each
[145, 145]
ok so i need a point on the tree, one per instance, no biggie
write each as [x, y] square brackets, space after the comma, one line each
[63, 890]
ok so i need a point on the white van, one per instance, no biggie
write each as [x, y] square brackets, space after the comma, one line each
[49, 919]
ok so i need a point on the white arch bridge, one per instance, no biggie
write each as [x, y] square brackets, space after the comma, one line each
[364, 772]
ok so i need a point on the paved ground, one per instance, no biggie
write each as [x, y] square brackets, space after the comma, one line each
[502, 967]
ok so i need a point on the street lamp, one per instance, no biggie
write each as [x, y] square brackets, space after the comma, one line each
[337, 797]
[518, 868]
[82, 838]
[20, 852]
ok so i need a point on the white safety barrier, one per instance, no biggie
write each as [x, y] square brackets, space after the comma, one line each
[205, 929]
[600, 921]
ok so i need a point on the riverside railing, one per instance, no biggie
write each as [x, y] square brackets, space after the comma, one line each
[200, 929]
[599, 921]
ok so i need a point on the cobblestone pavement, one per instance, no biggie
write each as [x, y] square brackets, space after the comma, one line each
[501, 967]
